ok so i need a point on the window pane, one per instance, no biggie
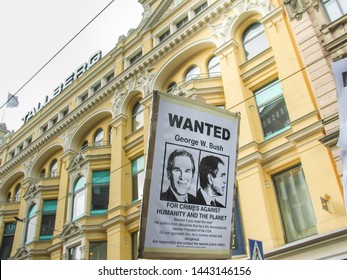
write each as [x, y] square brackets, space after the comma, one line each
[99, 137]
[335, 8]
[98, 250]
[295, 204]
[100, 198]
[192, 73]
[75, 253]
[17, 194]
[272, 109]
[31, 224]
[48, 219]
[254, 40]
[78, 204]
[137, 116]
[214, 67]
[137, 167]
[54, 168]
[7, 241]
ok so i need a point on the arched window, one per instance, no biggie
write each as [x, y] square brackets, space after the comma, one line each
[79, 198]
[254, 40]
[17, 193]
[31, 223]
[84, 145]
[8, 198]
[137, 116]
[214, 67]
[192, 73]
[99, 137]
[171, 87]
[43, 173]
[54, 168]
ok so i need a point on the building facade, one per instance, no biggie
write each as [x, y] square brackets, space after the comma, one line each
[72, 175]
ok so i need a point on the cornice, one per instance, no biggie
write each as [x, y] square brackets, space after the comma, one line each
[57, 130]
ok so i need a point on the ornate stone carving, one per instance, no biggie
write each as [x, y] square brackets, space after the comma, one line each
[294, 8]
[220, 31]
[68, 137]
[145, 82]
[116, 103]
[70, 230]
[28, 165]
[32, 191]
[22, 253]
[243, 6]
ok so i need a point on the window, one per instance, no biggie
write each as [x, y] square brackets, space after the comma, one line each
[238, 240]
[214, 67]
[100, 191]
[44, 128]
[294, 201]
[99, 137]
[163, 36]
[7, 241]
[83, 98]
[96, 87]
[31, 222]
[272, 109]
[8, 198]
[54, 168]
[192, 73]
[135, 58]
[137, 171]
[182, 22]
[199, 9]
[137, 116]
[109, 78]
[335, 8]
[48, 219]
[11, 154]
[171, 87]
[75, 253]
[54, 121]
[98, 250]
[254, 40]
[134, 245]
[29, 140]
[17, 193]
[84, 145]
[78, 198]
[65, 112]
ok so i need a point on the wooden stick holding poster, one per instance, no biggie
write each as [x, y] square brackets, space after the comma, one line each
[188, 198]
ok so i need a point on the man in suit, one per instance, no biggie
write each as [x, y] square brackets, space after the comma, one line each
[213, 181]
[180, 172]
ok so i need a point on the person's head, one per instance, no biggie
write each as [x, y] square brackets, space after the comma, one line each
[180, 171]
[212, 174]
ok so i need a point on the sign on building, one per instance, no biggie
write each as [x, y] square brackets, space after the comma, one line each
[188, 198]
[256, 249]
[340, 74]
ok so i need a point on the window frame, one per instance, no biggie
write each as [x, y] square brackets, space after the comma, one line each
[98, 138]
[137, 174]
[287, 228]
[261, 94]
[137, 113]
[48, 219]
[79, 194]
[31, 222]
[254, 34]
[331, 14]
[192, 73]
[102, 185]
[213, 64]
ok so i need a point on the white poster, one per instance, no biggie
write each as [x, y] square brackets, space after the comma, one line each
[187, 210]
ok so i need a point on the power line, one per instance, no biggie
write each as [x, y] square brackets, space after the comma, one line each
[59, 51]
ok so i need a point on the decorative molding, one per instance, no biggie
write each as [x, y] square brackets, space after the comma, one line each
[294, 8]
[221, 31]
[22, 253]
[32, 191]
[70, 230]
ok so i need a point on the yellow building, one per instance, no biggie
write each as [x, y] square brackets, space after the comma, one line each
[72, 175]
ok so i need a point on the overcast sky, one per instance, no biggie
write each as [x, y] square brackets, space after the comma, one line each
[32, 32]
